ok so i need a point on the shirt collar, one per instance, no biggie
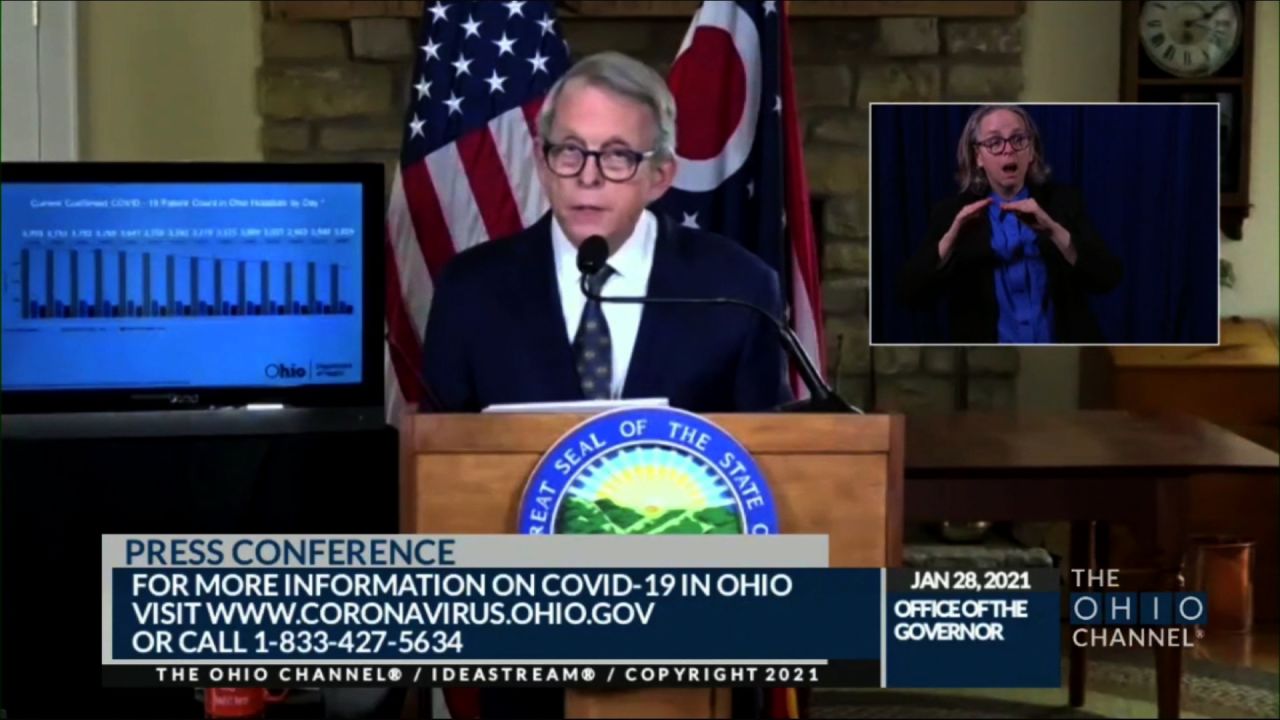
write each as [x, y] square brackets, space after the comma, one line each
[635, 255]
[1023, 194]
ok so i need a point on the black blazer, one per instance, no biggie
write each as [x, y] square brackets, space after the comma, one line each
[968, 278]
[496, 331]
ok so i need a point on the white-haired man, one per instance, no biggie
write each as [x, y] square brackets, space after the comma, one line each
[509, 322]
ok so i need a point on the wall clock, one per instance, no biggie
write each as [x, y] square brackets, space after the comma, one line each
[1197, 51]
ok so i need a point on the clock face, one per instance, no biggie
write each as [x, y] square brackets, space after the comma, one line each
[1190, 38]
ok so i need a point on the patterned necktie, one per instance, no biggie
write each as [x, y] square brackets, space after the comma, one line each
[591, 346]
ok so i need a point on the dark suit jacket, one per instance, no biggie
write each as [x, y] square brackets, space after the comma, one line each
[496, 331]
[968, 278]
[496, 334]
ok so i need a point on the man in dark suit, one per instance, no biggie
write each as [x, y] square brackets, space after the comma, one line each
[509, 323]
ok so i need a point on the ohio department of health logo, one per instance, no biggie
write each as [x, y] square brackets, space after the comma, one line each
[647, 471]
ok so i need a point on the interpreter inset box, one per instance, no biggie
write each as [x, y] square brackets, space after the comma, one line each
[1044, 224]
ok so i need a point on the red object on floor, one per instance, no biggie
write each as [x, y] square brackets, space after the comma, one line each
[463, 703]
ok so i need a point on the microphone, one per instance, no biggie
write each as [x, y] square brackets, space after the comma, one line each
[594, 252]
[592, 255]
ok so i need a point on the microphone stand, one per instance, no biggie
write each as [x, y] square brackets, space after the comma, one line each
[822, 399]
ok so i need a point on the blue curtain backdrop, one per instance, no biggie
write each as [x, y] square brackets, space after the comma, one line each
[1148, 175]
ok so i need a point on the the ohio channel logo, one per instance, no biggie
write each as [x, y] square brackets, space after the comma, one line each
[647, 471]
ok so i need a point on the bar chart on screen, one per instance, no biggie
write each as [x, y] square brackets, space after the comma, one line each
[179, 285]
[159, 277]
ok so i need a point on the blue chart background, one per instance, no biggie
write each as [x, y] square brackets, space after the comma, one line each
[183, 351]
[831, 614]
[1030, 657]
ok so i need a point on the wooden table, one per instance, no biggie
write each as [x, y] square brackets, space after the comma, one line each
[1081, 468]
[1235, 385]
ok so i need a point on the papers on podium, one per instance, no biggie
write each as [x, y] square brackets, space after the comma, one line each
[577, 406]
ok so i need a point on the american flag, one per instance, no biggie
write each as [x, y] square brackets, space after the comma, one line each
[740, 167]
[467, 169]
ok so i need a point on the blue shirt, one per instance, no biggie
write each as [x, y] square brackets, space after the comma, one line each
[1022, 281]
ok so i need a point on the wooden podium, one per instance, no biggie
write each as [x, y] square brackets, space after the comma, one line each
[838, 475]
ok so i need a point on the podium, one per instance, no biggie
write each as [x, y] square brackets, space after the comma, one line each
[838, 475]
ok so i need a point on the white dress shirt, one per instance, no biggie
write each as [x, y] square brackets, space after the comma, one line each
[631, 266]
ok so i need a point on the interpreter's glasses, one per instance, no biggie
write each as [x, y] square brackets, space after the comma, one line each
[614, 164]
[996, 145]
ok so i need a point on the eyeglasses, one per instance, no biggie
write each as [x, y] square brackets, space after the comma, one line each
[614, 164]
[996, 145]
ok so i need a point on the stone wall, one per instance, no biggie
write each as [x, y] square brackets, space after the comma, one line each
[335, 90]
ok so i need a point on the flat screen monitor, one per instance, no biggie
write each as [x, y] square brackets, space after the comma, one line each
[190, 285]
